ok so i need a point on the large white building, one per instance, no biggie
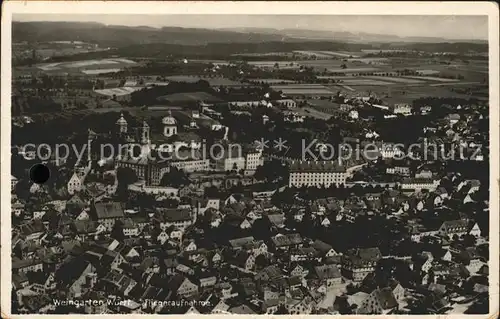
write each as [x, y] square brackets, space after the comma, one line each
[316, 174]
[419, 184]
[402, 108]
[253, 159]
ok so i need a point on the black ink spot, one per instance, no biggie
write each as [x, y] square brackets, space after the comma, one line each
[39, 173]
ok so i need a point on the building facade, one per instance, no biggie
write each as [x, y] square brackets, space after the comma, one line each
[316, 174]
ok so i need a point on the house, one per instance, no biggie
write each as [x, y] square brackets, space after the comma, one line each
[474, 185]
[26, 265]
[380, 301]
[289, 103]
[358, 264]
[270, 273]
[324, 249]
[453, 118]
[130, 228]
[75, 183]
[13, 183]
[475, 230]
[32, 231]
[86, 229]
[244, 260]
[328, 275]
[203, 205]
[298, 271]
[453, 228]
[303, 253]
[106, 213]
[181, 286]
[285, 242]
[72, 276]
[180, 218]
[19, 281]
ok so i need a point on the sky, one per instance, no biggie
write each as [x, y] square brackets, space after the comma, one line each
[450, 27]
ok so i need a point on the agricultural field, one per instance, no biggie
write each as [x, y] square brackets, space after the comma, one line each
[353, 70]
[322, 64]
[312, 112]
[305, 89]
[189, 97]
[100, 71]
[371, 51]
[121, 91]
[194, 79]
[317, 54]
[214, 62]
[428, 72]
[397, 79]
[87, 65]
[432, 78]
[264, 54]
[364, 81]
[376, 61]
[342, 54]
[272, 64]
[330, 54]
[271, 81]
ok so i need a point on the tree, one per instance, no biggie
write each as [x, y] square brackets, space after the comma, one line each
[126, 175]
[117, 231]
[343, 66]
[174, 178]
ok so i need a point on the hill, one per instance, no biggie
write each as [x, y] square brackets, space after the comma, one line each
[117, 36]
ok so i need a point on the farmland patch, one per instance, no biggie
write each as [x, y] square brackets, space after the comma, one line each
[432, 78]
[396, 79]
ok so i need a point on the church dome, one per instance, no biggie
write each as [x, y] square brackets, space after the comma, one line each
[169, 119]
[121, 120]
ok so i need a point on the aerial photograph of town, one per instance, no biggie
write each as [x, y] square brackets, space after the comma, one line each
[279, 164]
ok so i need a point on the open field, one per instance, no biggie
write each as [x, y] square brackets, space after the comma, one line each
[312, 112]
[271, 81]
[322, 64]
[194, 79]
[189, 97]
[100, 71]
[342, 54]
[87, 64]
[367, 51]
[297, 89]
[264, 54]
[428, 72]
[395, 79]
[214, 62]
[363, 81]
[314, 53]
[272, 64]
[454, 83]
[118, 91]
[353, 70]
[432, 78]
[370, 60]
[347, 87]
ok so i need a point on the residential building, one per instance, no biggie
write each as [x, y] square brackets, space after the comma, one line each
[316, 174]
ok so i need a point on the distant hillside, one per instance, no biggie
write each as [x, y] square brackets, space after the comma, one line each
[235, 40]
[348, 36]
[123, 35]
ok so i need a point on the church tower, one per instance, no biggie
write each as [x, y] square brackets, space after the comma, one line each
[169, 125]
[122, 124]
[145, 133]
